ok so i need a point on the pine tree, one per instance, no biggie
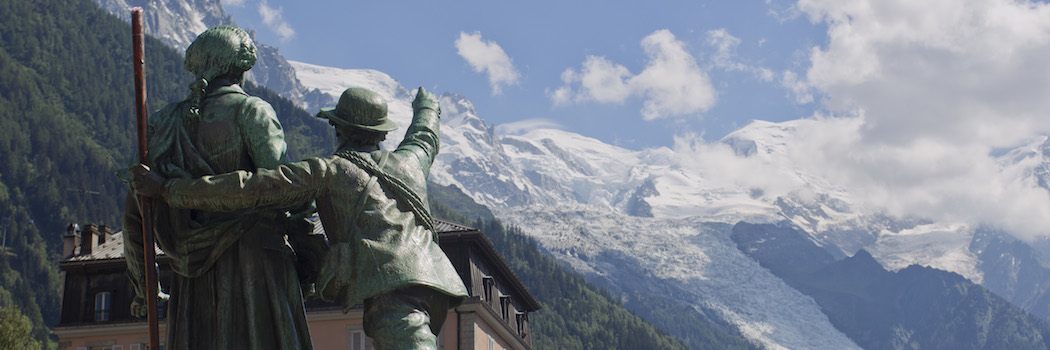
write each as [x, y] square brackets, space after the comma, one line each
[15, 330]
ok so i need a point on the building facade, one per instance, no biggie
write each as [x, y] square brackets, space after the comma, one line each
[96, 295]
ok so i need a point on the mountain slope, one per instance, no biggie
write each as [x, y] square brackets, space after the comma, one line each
[915, 307]
[177, 22]
[58, 145]
[574, 314]
[1014, 270]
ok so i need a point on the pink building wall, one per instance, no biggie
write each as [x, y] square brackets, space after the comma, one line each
[330, 329]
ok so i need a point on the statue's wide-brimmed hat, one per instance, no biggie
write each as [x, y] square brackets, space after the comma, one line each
[360, 108]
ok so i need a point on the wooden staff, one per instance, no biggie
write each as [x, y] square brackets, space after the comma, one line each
[145, 207]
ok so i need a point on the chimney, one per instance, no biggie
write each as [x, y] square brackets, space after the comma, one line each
[87, 239]
[104, 234]
[69, 240]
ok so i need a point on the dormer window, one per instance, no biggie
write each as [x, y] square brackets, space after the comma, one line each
[521, 319]
[103, 301]
[488, 284]
[504, 305]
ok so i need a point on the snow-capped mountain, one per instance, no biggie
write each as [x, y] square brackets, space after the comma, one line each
[177, 23]
[1030, 161]
[174, 22]
[327, 84]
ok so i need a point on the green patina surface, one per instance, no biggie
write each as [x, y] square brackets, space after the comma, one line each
[235, 282]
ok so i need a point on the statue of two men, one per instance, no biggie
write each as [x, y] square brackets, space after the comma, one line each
[222, 197]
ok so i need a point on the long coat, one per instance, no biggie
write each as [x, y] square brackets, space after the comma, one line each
[235, 284]
[380, 239]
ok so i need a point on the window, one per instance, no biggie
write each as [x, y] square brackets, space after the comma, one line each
[504, 306]
[488, 283]
[360, 341]
[102, 306]
[135, 347]
[522, 319]
[491, 343]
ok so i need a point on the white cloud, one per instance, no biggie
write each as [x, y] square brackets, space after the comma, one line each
[725, 45]
[600, 80]
[925, 179]
[961, 71]
[933, 88]
[721, 167]
[232, 3]
[522, 127]
[273, 18]
[781, 12]
[672, 81]
[801, 90]
[671, 84]
[489, 58]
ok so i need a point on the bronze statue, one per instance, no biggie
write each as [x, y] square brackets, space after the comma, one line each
[235, 283]
[374, 207]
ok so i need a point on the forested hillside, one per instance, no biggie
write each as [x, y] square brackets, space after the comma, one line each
[66, 131]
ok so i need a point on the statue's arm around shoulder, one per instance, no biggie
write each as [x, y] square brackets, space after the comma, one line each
[423, 136]
[287, 184]
[262, 133]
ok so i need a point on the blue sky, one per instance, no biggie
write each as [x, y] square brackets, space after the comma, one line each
[415, 42]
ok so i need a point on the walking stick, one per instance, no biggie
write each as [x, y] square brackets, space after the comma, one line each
[145, 207]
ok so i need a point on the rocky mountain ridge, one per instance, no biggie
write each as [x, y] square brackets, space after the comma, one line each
[178, 22]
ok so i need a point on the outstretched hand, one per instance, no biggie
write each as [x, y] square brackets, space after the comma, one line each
[425, 99]
[145, 182]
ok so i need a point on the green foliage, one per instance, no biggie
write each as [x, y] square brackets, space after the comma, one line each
[15, 330]
[576, 315]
